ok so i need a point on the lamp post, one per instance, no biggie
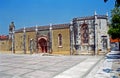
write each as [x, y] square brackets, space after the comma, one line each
[24, 40]
[36, 46]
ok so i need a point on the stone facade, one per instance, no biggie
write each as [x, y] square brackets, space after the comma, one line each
[44, 40]
[84, 35]
[90, 34]
[19, 41]
[4, 43]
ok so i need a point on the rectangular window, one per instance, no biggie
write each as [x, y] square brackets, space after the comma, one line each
[60, 40]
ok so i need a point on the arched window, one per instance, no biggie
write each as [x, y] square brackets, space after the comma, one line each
[59, 40]
[85, 34]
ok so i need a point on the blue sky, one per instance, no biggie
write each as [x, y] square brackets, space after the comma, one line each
[27, 13]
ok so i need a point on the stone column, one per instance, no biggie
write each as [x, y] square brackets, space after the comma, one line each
[12, 36]
[36, 39]
[31, 46]
[13, 41]
[50, 43]
[96, 34]
[78, 39]
[108, 38]
[24, 40]
[71, 38]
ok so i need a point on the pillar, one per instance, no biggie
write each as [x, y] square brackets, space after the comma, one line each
[95, 34]
[24, 40]
[50, 35]
[71, 38]
[12, 36]
[36, 39]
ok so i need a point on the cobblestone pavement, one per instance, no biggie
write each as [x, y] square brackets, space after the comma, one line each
[36, 66]
[109, 68]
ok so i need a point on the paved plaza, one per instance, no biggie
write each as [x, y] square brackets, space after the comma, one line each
[109, 68]
[37, 66]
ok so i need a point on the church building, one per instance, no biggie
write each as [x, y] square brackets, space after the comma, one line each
[83, 35]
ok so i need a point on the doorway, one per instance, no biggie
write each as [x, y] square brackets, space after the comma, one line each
[43, 45]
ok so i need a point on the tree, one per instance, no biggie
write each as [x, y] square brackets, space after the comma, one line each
[117, 2]
[114, 30]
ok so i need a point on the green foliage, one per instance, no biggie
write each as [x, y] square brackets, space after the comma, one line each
[114, 30]
[117, 2]
[105, 0]
[115, 11]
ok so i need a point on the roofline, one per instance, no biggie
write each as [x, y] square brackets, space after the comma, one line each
[90, 17]
[40, 28]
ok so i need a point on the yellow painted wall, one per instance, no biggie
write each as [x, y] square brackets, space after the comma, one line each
[65, 49]
[19, 41]
[29, 36]
[4, 45]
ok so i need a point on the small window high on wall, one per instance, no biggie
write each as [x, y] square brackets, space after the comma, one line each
[60, 40]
